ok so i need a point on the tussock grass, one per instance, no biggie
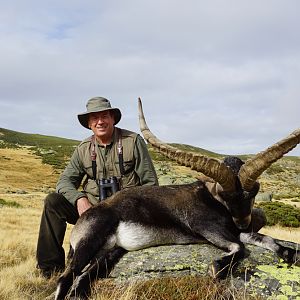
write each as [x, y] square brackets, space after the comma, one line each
[18, 233]
[22, 281]
[187, 288]
[19, 278]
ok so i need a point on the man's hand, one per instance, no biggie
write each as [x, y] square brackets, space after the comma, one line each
[83, 204]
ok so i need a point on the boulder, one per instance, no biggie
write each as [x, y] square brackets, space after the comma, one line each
[260, 273]
[265, 196]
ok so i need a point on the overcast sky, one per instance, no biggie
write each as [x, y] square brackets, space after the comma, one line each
[221, 75]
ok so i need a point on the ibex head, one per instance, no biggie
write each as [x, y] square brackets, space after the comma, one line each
[235, 181]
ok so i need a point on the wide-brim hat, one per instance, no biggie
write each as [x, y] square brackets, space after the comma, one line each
[98, 104]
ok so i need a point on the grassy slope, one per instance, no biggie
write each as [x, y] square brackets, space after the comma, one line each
[53, 150]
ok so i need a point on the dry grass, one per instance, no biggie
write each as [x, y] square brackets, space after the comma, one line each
[188, 288]
[282, 233]
[19, 278]
[20, 169]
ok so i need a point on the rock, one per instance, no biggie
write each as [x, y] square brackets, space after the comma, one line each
[261, 273]
[166, 180]
[47, 189]
[21, 192]
[264, 196]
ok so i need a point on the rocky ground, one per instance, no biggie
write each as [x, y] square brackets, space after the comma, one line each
[261, 273]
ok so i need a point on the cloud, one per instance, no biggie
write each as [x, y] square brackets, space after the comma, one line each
[221, 75]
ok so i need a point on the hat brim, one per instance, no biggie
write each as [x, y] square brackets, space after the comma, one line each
[84, 117]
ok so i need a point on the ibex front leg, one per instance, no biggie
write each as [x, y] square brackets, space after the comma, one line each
[289, 255]
[221, 268]
[100, 267]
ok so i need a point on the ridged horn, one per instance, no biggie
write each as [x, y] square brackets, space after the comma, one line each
[210, 167]
[255, 166]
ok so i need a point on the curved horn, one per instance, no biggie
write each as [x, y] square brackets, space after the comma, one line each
[208, 166]
[254, 167]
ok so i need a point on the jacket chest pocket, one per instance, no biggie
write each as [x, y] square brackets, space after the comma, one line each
[128, 166]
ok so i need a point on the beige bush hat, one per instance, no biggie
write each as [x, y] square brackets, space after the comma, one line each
[97, 104]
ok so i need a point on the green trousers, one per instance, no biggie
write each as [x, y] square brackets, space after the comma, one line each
[58, 211]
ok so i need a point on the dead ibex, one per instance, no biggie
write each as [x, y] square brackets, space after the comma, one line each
[220, 212]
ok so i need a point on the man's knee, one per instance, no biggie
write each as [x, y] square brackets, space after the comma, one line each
[54, 200]
[61, 207]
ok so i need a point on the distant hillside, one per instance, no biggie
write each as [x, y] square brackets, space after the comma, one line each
[56, 150]
[198, 150]
[53, 150]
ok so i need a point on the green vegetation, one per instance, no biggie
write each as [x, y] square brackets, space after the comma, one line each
[295, 200]
[157, 156]
[274, 169]
[290, 194]
[197, 150]
[295, 159]
[54, 151]
[281, 214]
[9, 203]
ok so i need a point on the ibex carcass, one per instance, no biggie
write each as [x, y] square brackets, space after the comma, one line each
[220, 212]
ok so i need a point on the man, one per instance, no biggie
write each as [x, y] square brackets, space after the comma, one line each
[115, 157]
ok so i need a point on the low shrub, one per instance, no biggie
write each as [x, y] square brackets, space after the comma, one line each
[9, 203]
[274, 169]
[282, 214]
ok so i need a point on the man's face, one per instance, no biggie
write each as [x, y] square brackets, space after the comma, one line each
[102, 124]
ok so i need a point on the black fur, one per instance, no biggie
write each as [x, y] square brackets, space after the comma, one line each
[100, 267]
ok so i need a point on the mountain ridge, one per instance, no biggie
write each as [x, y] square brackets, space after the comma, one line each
[14, 138]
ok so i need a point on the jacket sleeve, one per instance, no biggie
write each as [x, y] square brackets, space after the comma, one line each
[70, 179]
[143, 164]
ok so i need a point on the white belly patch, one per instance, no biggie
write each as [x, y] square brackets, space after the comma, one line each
[133, 236]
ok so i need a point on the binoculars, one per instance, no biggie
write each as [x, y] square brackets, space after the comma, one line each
[107, 187]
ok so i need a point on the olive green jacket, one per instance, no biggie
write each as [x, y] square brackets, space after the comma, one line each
[137, 164]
